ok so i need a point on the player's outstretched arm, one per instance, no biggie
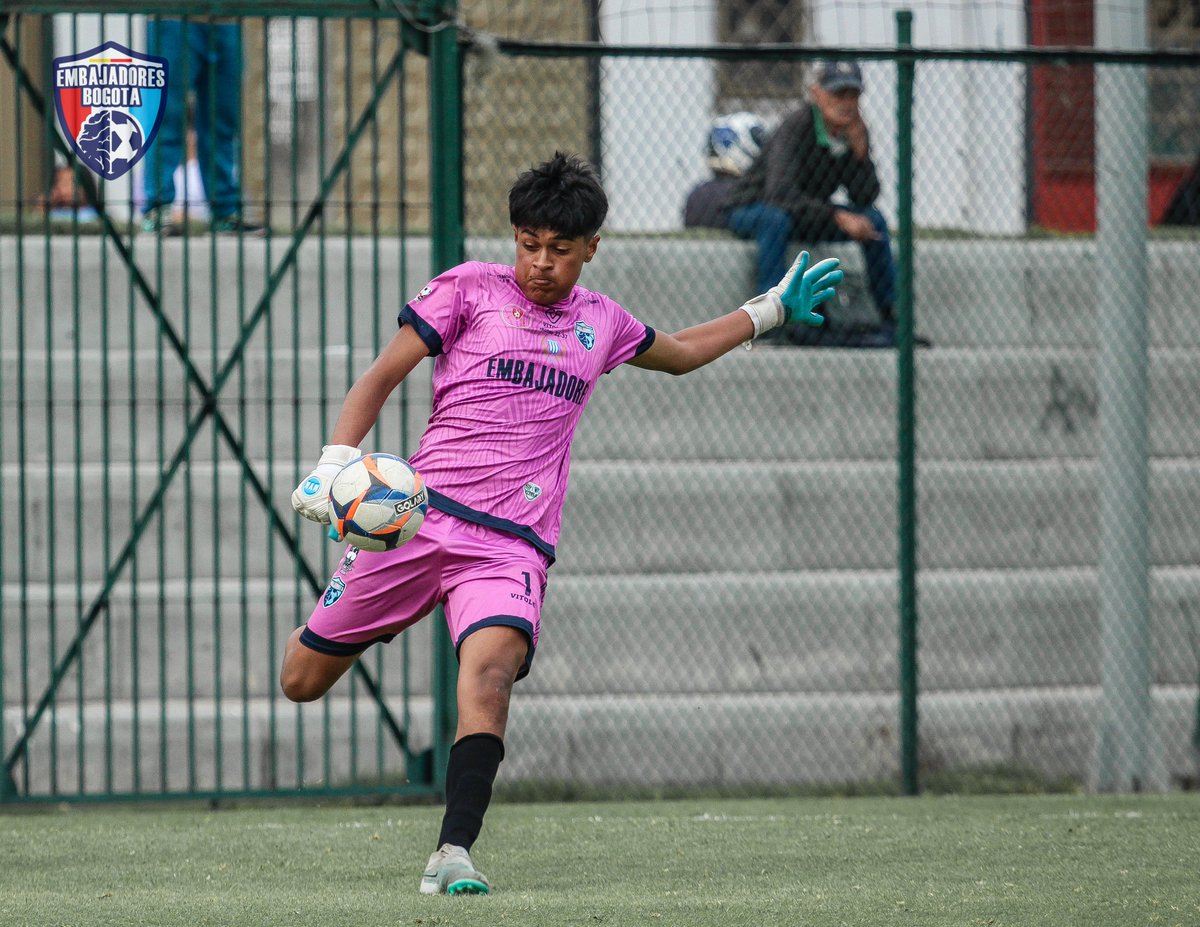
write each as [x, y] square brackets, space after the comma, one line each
[793, 299]
[360, 409]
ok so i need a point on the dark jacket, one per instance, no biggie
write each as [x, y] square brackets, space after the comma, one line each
[800, 169]
[707, 205]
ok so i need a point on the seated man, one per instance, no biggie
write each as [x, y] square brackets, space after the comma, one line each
[787, 193]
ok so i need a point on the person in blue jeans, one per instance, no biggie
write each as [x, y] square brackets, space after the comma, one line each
[205, 59]
[787, 193]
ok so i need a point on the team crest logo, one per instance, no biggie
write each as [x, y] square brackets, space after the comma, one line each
[110, 103]
[532, 491]
[334, 591]
[586, 335]
[515, 316]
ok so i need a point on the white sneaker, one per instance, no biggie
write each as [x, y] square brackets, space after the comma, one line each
[451, 872]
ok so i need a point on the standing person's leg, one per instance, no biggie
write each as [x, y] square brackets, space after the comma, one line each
[489, 661]
[771, 229]
[165, 39]
[218, 114]
[493, 610]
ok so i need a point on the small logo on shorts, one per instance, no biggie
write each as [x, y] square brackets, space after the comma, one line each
[334, 592]
[532, 491]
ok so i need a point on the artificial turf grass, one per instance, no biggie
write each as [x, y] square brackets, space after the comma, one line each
[1044, 860]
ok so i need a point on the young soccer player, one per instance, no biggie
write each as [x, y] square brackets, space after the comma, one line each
[518, 351]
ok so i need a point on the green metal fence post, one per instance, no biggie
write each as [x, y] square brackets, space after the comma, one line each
[906, 424]
[446, 227]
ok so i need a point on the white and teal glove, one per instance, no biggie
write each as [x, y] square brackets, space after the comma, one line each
[311, 497]
[794, 298]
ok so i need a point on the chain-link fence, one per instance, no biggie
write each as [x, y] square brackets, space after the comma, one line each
[167, 380]
[724, 609]
[730, 606]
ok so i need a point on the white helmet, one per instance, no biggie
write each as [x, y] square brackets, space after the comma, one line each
[734, 141]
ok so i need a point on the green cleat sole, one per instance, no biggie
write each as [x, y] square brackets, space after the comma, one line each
[467, 887]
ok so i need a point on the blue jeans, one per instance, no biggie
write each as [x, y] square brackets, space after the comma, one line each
[206, 58]
[771, 229]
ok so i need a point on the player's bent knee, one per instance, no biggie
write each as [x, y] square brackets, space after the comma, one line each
[299, 688]
[308, 680]
[307, 675]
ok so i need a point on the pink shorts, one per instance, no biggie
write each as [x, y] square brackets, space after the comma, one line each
[481, 576]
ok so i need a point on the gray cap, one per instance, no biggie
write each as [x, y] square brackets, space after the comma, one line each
[839, 75]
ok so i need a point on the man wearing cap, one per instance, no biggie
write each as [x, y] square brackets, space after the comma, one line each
[788, 192]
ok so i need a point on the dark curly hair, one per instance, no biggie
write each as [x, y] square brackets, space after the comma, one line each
[562, 194]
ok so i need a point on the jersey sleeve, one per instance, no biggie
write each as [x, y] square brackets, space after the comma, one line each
[439, 312]
[629, 339]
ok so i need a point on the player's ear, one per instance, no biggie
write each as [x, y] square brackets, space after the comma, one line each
[590, 251]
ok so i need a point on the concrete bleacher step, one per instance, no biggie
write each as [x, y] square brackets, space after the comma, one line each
[216, 639]
[1044, 293]
[335, 292]
[138, 404]
[969, 293]
[700, 523]
[185, 745]
[771, 403]
[671, 634]
[801, 737]
[668, 517]
[734, 740]
[698, 517]
[781, 403]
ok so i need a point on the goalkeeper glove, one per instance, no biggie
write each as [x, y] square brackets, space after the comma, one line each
[794, 297]
[311, 498]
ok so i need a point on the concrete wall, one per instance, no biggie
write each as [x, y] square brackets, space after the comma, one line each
[759, 636]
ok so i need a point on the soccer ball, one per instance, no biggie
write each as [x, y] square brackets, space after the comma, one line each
[378, 502]
[109, 136]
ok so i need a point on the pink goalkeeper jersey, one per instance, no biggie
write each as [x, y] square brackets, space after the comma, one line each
[510, 381]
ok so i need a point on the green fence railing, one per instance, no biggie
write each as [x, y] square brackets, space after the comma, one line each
[164, 390]
[731, 609]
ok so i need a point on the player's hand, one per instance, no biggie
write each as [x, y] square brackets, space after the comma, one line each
[793, 298]
[805, 288]
[311, 497]
[856, 225]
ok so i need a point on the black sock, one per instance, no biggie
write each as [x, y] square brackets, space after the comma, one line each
[469, 777]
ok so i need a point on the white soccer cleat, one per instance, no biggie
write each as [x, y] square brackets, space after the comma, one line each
[451, 872]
